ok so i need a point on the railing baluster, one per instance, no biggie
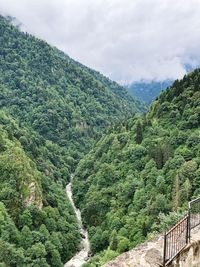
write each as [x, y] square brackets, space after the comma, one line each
[179, 235]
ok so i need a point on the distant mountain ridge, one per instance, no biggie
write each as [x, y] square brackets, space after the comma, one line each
[147, 91]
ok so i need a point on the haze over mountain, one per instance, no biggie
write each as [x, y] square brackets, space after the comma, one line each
[140, 40]
[148, 91]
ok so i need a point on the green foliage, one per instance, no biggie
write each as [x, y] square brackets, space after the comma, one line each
[64, 101]
[23, 190]
[26, 237]
[141, 170]
[127, 187]
[53, 109]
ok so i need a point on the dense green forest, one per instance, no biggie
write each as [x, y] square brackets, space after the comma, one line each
[37, 223]
[53, 109]
[138, 179]
[135, 181]
[59, 98]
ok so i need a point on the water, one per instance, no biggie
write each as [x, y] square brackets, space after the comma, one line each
[82, 256]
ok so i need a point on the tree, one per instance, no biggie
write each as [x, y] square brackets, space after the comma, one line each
[113, 240]
[45, 233]
[186, 190]
[176, 193]
[26, 237]
[55, 259]
[36, 251]
[139, 133]
[25, 218]
[123, 245]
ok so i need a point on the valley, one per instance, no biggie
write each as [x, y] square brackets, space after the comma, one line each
[87, 173]
[53, 109]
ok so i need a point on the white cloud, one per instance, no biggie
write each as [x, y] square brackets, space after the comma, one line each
[126, 40]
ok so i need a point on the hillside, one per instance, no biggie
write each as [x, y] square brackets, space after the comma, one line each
[137, 179]
[38, 225]
[59, 98]
[148, 91]
[53, 109]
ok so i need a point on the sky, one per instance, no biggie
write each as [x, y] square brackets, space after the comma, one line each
[126, 40]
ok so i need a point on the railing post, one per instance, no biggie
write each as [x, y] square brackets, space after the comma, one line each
[165, 246]
[189, 228]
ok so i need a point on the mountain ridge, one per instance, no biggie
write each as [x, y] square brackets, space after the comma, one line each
[71, 90]
[147, 91]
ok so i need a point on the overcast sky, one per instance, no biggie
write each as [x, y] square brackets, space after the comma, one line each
[127, 40]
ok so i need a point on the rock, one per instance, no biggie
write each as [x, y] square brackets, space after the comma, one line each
[32, 197]
[153, 257]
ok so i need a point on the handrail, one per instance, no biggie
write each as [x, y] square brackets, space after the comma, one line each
[170, 230]
[179, 235]
[193, 201]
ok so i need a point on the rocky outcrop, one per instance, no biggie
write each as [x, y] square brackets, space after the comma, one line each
[148, 254]
[33, 196]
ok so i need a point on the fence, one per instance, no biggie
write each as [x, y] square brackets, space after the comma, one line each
[179, 235]
[194, 213]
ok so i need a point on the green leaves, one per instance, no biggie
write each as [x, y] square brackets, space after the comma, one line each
[142, 169]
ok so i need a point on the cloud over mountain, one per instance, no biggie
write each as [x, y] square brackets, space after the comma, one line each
[126, 40]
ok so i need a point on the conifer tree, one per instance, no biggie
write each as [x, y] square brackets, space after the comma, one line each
[139, 133]
[176, 193]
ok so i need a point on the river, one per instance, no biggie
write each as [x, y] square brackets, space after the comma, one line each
[82, 256]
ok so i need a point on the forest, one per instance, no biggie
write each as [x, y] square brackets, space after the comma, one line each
[38, 226]
[60, 99]
[138, 178]
[134, 170]
[53, 109]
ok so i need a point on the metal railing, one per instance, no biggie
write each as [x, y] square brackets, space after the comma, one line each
[194, 213]
[179, 235]
[175, 240]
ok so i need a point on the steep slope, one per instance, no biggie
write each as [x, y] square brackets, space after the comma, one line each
[111, 85]
[38, 225]
[52, 110]
[140, 171]
[59, 98]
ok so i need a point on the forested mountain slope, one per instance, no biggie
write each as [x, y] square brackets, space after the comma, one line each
[37, 223]
[140, 171]
[52, 110]
[59, 98]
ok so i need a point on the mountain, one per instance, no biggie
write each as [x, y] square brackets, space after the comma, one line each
[148, 91]
[139, 177]
[59, 98]
[53, 109]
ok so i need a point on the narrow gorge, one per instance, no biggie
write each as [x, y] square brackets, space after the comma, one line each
[83, 255]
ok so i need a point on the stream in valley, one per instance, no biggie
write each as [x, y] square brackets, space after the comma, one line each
[82, 256]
